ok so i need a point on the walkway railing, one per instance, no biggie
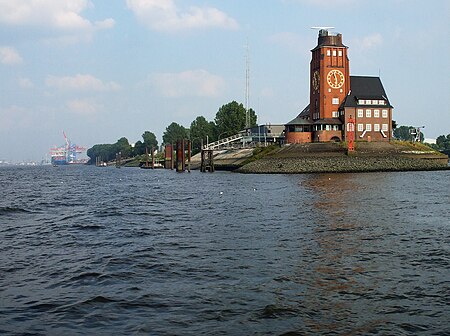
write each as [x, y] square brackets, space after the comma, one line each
[224, 141]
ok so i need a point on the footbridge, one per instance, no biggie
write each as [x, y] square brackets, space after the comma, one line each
[225, 141]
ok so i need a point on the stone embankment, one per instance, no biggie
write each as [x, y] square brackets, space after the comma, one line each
[331, 158]
[336, 164]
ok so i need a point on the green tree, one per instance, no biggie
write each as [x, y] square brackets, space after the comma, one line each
[199, 132]
[105, 152]
[149, 139]
[404, 133]
[139, 148]
[230, 119]
[174, 132]
[443, 142]
[124, 147]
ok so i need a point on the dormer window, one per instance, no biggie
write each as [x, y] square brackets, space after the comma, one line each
[361, 101]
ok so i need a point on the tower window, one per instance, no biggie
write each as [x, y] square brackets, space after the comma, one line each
[328, 52]
[340, 53]
[334, 52]
[335, 101]
[335, 114]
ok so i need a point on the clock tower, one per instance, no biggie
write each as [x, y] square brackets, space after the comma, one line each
[330, 83]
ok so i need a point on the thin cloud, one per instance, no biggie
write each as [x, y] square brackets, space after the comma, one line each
[199, 83]
[165, 15]
[80, 82]
[25, 83]
[290, 41]
[56, 14]
[9, 56]
[368, 42]
[83, 106]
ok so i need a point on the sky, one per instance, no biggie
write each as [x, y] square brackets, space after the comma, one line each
[100, 70]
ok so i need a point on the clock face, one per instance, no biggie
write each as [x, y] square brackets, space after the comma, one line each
[316, 81]
[335, 79]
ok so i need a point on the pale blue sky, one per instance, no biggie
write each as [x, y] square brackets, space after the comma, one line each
[103, 69]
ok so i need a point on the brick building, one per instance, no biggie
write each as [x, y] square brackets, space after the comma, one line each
[335, 96]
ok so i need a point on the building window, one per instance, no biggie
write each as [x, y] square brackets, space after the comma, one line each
[375, 102]
[360, 113]
[335, 114]
[381, 102]
[335, 127]
[368, 102]
[376, 127]
[335, 101]
[368, 127]
[384, 127]
[368, 113]
[334, 52]
[340, 53]
[376, 113]
[328, 52]
[384, 113]
[361, 101]
[360, 127]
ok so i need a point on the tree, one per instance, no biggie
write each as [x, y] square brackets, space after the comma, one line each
[404, 133]
[230, 119]
[200, 131]
[124, 147]
[174, 132]
[105, 152]
[139, 148]
[149, 140]
[443, 142]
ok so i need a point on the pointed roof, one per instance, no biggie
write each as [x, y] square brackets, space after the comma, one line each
[364, 87]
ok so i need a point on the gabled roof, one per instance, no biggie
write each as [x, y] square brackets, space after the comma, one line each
[302, 118]
[363, 87]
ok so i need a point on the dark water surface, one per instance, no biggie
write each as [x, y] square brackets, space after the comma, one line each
[102, 251]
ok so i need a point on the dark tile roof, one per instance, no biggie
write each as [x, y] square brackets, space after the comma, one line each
[362, 87]
[302, 118]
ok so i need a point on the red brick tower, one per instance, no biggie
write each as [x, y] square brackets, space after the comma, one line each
[330, 83]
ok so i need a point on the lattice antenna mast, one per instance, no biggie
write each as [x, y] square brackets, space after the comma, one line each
[247, 87]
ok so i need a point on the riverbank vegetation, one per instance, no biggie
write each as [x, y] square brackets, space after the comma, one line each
[229, 120]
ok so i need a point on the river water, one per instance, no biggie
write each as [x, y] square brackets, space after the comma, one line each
[102, 251]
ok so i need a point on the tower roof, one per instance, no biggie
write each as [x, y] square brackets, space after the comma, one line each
[327, 39]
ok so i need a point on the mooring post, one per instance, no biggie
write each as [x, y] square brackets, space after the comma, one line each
[189, 156]
[179, 156]
[172, 160]
[168, 157]
[153, 158]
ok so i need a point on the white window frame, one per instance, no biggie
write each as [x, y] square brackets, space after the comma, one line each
[335, 114]
[335, 101]
[361, 101]
[368, 127]
[375, 102]
[376, 127]
[360, 113]
[384, 127]
[368, 113]
[376, 113]
[360, 127]
[340, 53]
[368, 102]
[328, 52]
[334, 52]
[384, 113]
